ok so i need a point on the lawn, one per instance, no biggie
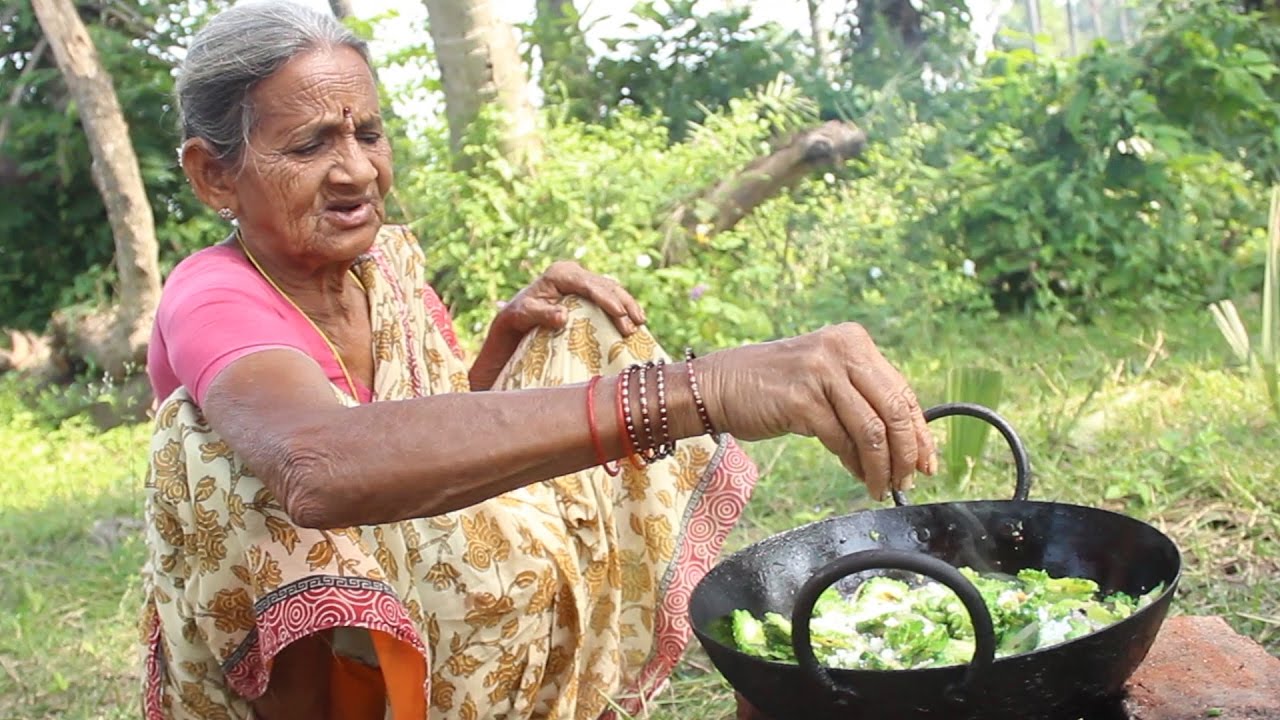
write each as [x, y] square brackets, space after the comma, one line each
[1142, 416]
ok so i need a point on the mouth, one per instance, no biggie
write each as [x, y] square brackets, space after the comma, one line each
[350, 213]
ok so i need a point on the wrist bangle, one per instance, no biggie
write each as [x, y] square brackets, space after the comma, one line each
[707, 427]
[595, 431]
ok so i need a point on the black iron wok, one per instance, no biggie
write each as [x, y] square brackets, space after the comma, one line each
[785, 573]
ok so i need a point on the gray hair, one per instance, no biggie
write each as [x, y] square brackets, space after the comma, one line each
[239, 48]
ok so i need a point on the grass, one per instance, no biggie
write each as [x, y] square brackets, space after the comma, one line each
[1143, 417]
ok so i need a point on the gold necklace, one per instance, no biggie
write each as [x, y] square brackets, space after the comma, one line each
[332, 348]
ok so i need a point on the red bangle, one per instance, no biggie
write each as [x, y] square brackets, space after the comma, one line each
[595, 431]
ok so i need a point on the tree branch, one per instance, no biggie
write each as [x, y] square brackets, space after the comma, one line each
[15, 97]
[726, 203]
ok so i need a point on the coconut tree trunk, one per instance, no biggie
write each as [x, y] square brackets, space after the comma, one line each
[123, 334]
[479, 66]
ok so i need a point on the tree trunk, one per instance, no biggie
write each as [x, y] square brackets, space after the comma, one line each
[1033, 23]
[341, 8]
[566, 59]
[1095, 17]
[819, 42]
[479, 66]
[722, 206]
[121, 341]
[899, 16]
[1073, 42]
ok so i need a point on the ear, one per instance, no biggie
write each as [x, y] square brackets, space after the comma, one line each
[212, 180]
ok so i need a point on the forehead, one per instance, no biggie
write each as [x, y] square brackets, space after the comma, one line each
[315, 82]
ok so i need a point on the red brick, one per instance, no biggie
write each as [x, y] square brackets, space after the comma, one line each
[1199, 668]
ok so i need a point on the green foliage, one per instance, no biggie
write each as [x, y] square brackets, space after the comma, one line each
[54, 234]
[1074, 187]
[967, 437]
[691, 63]
[604, 196]
[911, 45]
[1266, 359]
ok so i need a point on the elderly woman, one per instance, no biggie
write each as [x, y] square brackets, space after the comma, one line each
[345, 520]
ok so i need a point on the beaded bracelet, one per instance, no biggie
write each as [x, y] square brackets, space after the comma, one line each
[650, 451]
[624, 385]
[666, 448]
[697, 395]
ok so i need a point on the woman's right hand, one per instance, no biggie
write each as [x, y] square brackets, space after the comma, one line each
[833, 384]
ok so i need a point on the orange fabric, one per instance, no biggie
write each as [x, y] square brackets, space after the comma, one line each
[404, 673]
[356, 691]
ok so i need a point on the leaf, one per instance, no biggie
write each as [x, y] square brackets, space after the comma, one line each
[1232, 328]
[321, 554]
[242, 574]
[966, 437]
[1271, 308]
[282, 532]
[205, 488]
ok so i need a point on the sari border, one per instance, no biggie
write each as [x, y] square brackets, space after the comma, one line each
[310, 605]
[713, 510]
[153, 670]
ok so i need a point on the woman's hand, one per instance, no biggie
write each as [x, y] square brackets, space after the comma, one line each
[832, 384]
[539, 306]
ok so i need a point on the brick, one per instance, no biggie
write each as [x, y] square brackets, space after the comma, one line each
[1200, 668]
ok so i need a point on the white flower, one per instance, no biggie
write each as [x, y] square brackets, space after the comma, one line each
[830, 178]
[580, 253]
[876, 273]
[969, 268]
[643, 260]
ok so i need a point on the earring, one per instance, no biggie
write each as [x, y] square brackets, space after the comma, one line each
[226, 214]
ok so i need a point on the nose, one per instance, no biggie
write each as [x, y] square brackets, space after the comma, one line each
[353, 166]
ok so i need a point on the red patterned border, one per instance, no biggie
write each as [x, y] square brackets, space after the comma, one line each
[153, 692]
[441, 317]
[322, 606]
[721, 504]
[302, 608]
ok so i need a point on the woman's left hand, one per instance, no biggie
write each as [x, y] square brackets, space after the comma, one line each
[539, 306]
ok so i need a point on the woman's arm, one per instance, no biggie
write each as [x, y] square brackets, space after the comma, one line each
[334, 466]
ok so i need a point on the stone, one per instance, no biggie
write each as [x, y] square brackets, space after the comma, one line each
[1200, 668]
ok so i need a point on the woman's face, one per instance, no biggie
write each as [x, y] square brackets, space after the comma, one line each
[318, 164]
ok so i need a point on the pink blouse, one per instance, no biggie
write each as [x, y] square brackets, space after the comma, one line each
[215, 309]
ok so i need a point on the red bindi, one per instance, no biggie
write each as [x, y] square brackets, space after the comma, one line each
[346, 113]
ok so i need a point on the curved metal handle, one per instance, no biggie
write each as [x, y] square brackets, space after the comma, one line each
[1020, 459]
[927, 565]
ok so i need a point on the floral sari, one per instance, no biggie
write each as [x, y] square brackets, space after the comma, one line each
[563, 599]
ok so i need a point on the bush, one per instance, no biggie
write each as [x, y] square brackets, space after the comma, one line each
[603, 193]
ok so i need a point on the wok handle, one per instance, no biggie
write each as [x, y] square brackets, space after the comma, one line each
[1021, 461]
[927, 565]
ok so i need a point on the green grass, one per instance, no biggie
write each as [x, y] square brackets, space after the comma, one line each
[1147, 419]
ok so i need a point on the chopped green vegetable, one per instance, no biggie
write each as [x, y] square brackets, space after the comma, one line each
[890, 625]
